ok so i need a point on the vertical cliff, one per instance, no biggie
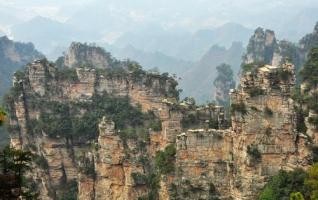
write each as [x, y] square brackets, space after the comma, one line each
[57, 112]
[237, 162]
[264, 122]
[118, 132]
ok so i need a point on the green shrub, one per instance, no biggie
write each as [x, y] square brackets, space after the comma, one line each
[87, 166]
[67, 74]
[314, 152]
[139, 179]
[254, 153]
[41, 162]
[164, 160]
[153, 183]
[248, 68]
[284, 74]
[213, 194]
[61, 119]
[300, 120]
[252, 67]
[69, 191]
[296, 196]
[282, 185]
[309, 72]
[155, 125]
[314, 121]
[189, 120]
[239, 107]
[312, 101]
[214, 123]
[255, 91]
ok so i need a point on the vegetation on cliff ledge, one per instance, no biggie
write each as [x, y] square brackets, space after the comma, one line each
[239, 107]
[80, 119]
[309, 72]
[289, 185]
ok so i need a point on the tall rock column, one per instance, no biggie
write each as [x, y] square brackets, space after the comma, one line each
[263, 119]
[113, 169]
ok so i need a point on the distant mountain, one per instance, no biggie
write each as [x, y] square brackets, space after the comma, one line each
[198, 81]
[155, 39]
[183, 45]
[202, 40]
[298, 25]
[148, 60]
[47, 34]
[14, 55]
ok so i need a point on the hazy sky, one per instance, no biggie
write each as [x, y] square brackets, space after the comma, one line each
[289, 18]
[183, 13]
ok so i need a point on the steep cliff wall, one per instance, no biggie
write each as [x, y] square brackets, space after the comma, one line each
[69, 153]
[120, 133]
[236, 163]
[264, 123]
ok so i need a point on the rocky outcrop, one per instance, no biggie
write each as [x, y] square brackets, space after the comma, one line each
[264, 48]
[114, 178]
[167, 149]
[261, 47]
[236, 163]
[310, 40]
[204, 164]
[103, 169]
[80, 54]
[264, 123]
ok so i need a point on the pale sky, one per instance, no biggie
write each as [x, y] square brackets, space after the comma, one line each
[184, 13]
[289, 18]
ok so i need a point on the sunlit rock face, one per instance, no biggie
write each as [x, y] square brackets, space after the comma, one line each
[261, 47]
[80, 54]
[236, 163]
[102, 167]
[212, 159]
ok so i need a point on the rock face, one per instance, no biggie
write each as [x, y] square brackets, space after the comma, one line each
[205, 164]
[189, 151]
[261, 47]
[264, 48]
[82, 54]
[267, 141]
[99, 168]
[113, 173]
[236, 163]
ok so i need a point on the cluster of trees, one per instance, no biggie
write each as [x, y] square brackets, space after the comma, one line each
[307, 100]
[14, 164]
[300, 184]
[65, 119]
[294, 185]
[164, 164]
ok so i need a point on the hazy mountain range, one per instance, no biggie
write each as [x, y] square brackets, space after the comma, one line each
[198, 80]
[172, 36]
